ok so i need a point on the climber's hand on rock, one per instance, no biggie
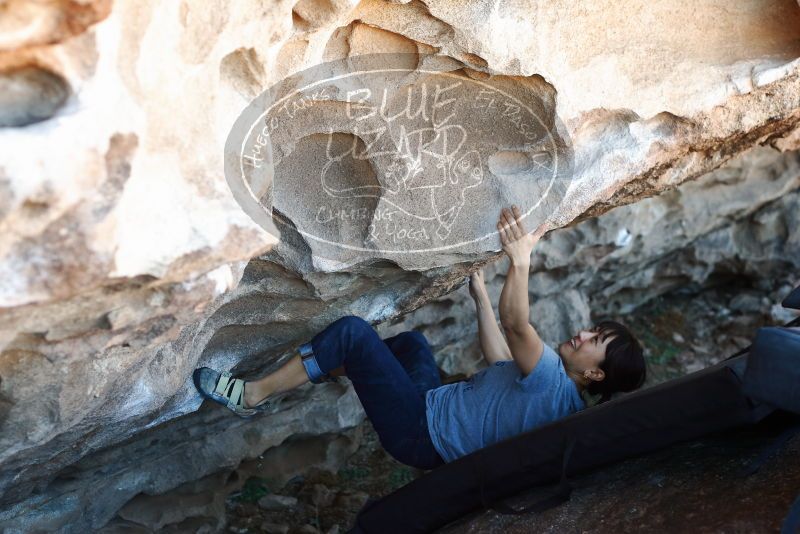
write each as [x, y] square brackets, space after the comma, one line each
[517, 242]
[477, 287]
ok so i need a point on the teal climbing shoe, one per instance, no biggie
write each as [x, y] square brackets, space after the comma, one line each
[223, 388]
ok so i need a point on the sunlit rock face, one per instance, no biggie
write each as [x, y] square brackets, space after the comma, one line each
[126, 259]
[406, 154]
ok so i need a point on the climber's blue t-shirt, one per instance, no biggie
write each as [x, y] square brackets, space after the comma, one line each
[497, 403]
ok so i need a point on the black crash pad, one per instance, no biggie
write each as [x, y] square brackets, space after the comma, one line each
[792, 300]
[685, 408]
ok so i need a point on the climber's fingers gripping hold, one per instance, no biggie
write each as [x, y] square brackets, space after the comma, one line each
[517, 242]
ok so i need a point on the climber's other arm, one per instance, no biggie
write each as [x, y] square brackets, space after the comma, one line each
[525, 344]
[493, 344]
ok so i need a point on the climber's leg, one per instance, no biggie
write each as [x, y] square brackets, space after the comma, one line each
[290, 375]
[410, 348]
[394, 403]
[389, 396]
[414, 353]
[294, 373]
[411, 356]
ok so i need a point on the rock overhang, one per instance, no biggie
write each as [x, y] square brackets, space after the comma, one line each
[126, 259]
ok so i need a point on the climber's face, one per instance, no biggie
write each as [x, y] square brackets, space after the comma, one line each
[584, 352]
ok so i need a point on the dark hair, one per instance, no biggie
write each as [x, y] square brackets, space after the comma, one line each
[624, 365]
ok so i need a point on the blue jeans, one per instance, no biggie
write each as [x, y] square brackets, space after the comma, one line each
[390, 377]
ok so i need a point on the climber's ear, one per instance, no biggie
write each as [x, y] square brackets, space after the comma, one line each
[595, 375]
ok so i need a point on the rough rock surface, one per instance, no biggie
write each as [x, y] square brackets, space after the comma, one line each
[127, 262]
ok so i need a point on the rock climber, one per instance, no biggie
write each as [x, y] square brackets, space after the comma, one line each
[423, 423]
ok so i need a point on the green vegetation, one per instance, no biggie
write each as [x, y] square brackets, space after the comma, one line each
[354, 473]
[254, 488]
[400, 476]
[662, 352]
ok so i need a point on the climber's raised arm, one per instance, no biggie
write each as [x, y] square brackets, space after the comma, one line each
[525, 344]
[493, 344]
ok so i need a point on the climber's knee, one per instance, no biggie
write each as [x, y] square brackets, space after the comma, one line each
[353, 323]
[413, 337]
[336, 341]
